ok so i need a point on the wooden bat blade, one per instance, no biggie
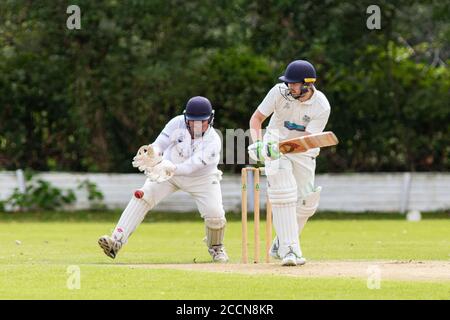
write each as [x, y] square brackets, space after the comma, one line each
[302, 144]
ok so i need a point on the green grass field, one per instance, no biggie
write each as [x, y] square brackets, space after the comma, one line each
[35, 256]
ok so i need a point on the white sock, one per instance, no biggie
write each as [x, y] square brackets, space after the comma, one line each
[131, 217]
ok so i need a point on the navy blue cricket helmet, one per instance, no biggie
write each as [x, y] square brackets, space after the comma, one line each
[299, 71]
[199, 108]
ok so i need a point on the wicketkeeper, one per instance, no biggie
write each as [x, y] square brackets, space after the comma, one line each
[183, 157]
[297, 109]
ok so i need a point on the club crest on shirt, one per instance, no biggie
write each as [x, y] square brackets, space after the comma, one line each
[287, 105]
[306, 119]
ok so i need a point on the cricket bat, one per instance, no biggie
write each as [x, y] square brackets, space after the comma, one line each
[302, 144]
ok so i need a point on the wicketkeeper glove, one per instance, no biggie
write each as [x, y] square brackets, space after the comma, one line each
[163, 171]
[147, 157]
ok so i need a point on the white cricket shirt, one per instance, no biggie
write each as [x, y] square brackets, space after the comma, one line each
[290, 118]
[193, 157]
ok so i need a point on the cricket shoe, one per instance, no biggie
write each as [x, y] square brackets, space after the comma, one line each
[291, 259]
[110, 246]
[218, 254]
[273, 252]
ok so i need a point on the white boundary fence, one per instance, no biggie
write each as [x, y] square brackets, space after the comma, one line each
[357, 192]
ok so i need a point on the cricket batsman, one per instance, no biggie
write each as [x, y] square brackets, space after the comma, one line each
[297, 109]
[184, 157]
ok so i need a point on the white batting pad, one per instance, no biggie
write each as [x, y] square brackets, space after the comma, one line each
[215, 231]
[131, 217]
[285, 223]
[282, 187]
[307, 207]
[282, 191]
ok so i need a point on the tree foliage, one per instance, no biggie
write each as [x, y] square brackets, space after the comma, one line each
[85, 100]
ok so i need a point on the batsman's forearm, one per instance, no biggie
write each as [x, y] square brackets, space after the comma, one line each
[255, 130]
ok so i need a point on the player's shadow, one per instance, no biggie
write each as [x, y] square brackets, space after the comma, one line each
[131, 263]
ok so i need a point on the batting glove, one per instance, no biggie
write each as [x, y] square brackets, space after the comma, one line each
[271, 151]
[255, 151]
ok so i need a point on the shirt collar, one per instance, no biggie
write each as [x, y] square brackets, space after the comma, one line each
[311, 100]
